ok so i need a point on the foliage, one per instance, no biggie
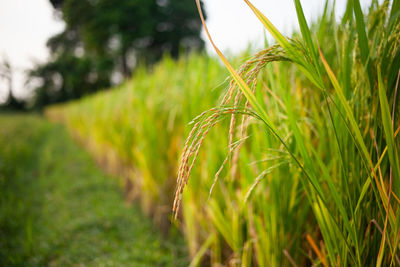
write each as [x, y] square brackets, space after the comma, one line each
[149, 142]
[299, 163]
[69, 77]
[57, 208]
[149, 28]
[106, 39]
[6, 74]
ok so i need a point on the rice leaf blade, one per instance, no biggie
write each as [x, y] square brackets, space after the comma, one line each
[389, 134]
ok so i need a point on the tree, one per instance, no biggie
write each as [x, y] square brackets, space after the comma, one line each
[6, 73]
[68, 77]
[106, 37]
[143, 28]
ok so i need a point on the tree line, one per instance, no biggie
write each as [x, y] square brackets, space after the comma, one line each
[104, 40]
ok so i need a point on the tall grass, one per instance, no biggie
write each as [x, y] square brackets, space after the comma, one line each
[296, 163]
[135, 131]
[337, 131]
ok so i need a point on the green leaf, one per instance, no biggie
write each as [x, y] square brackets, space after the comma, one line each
[395, 12]
[389, 134]
[305, 31]
[292, 51]
[350, 116]
[258, 107]
[362, 39]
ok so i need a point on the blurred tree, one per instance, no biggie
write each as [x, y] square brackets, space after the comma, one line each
[106, 38]
[6, 73]
[133, 30]
[70, 73]
[68, 77]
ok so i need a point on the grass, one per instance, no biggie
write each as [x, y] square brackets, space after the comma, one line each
[140, 127]
[295, 163]
[58, 209]
[343, 228]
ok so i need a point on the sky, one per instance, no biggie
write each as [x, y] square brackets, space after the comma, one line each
[26, 25]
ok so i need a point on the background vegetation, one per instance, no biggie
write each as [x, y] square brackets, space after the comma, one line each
[104, 41]
[57, 208]
[310, 156]
[291, 160]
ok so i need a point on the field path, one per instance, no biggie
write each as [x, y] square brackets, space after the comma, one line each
[57, 208]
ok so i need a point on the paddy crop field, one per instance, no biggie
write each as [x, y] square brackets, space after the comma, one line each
[58, 209]
[288, 156]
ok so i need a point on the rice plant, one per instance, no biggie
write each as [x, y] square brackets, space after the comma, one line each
[295, 163]
[325, 103]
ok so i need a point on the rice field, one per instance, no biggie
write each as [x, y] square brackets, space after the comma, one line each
[58, 209]
[287, 157]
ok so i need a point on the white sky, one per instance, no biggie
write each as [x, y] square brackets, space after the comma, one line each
[25, 26]
[233, 25]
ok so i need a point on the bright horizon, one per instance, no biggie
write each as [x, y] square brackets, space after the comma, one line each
[25, 27]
